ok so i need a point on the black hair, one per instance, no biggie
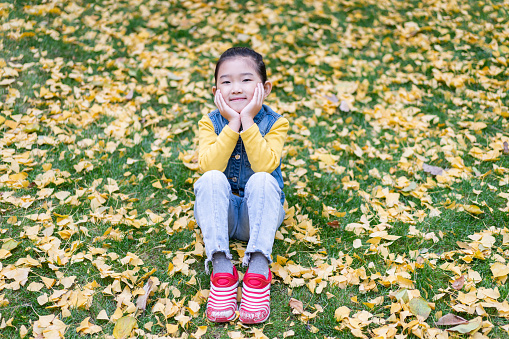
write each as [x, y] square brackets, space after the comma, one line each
[243, 52]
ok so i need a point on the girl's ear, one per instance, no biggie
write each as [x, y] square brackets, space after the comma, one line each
[214, 89]
[267, 88]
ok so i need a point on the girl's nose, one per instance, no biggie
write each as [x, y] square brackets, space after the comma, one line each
[236, 88]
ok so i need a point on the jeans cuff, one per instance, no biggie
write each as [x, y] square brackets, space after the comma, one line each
[247, 258]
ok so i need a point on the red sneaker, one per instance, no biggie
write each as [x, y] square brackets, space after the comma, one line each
[255, 302]
[222, 302]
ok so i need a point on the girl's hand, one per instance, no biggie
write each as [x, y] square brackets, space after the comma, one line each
[227, 112]
[255, 105]
[251, 110]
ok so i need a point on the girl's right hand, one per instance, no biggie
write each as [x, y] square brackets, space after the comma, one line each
[227, 112]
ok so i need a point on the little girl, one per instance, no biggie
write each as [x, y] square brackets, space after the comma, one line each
[240, 195]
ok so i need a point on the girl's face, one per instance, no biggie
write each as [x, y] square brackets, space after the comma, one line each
[237, 79]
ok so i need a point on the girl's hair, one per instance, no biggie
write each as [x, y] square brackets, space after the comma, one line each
[243, 52]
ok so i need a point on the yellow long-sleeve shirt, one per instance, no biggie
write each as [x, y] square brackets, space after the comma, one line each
[264, 153]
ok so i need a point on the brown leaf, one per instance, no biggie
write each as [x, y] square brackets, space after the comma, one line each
[129, 95]
[458, 283]
[435, 170]
[297, 306]
[333, 224]
[141, 303]
[451, 319]
[332, 98]
[344, 106]
[506, 148]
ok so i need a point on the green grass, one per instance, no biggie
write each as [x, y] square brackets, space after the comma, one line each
[351, 40]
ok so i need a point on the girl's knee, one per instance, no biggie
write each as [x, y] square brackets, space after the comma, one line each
[261, 176]
[260, 179]
[214, 176]
[209, 180]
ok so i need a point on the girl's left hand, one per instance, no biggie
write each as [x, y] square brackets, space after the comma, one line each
[255, 105]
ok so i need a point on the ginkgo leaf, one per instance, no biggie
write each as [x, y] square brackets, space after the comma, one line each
[473, 209]
[48, 282]
[458, 283]
[451, 319]
[201, 331]
[31, 128]
[402, 295]
[357, 243]
[296, 305]
[124, 327]
[35, 286]
[333, 224]
[344, 106]
[471, 326]
[435, 170]
[420, 308]
[86, 327]
[102, 315]
[289, 333]
[10, 244]
[341, 313]
[62, 195]
[23, 331]
[499, 270]
[476, 126]
[42, 299]
[129, 95]
[4, 253]
[172, 328]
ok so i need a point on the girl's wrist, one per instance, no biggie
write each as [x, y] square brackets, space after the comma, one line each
[235, 125]
[247, 122]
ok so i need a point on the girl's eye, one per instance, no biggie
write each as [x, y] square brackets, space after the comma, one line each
[245, 80]
[225, 82]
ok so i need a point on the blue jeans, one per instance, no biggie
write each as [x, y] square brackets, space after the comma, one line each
[222, 215]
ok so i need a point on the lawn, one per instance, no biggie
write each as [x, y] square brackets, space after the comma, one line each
[396, 166]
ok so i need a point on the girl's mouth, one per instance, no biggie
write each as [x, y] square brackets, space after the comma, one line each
[237, 99]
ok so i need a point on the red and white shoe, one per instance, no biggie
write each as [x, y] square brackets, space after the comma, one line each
[222, 301]
[255, 302]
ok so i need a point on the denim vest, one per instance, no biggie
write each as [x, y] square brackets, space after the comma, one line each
[238, 171]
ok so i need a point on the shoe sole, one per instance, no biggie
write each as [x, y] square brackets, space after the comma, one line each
[221, 320]
[251, 322]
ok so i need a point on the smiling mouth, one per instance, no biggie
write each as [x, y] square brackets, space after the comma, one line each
[238, 99]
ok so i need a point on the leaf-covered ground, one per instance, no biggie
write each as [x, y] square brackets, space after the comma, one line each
[396, 166]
